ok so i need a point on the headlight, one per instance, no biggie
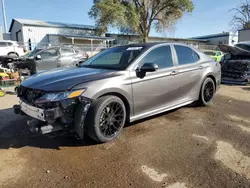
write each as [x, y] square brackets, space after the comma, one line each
[53, 97]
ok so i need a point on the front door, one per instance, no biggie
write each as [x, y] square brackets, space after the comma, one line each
[157, 89]
[48, 59]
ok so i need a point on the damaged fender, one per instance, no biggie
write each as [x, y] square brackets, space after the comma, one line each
[80, 116]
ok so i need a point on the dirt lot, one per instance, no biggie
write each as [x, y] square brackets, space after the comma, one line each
[188, 147]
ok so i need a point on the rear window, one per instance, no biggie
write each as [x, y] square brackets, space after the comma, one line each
[67, 51]
[186, 55]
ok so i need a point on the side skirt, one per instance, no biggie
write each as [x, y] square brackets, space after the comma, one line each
[158, 111]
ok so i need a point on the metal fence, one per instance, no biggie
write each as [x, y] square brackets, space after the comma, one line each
[92, 49]
[88, 48]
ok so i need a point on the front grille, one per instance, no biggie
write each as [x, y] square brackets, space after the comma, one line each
[28, 94]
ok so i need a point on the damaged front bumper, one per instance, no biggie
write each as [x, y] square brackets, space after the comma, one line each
[45, 115]
[64, 115]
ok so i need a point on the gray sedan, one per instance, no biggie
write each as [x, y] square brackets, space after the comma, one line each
[55, 57]
[118, 85]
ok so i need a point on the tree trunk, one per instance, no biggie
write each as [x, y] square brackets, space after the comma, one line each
[145, 37]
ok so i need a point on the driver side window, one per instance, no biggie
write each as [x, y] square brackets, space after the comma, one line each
[161, 56]
[50, 53]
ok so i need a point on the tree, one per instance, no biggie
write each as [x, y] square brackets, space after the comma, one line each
[241, 18]
[139, 16]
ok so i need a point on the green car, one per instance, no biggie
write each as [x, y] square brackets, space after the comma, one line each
[216, 55]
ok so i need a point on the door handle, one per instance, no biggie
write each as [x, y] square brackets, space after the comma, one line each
[173, 73]
[201, 67]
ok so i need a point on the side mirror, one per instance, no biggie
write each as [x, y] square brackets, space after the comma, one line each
[38, 57]
[148, 67]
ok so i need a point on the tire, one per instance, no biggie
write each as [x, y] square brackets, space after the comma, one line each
[208, 87]
[13, 54]
[103, 110]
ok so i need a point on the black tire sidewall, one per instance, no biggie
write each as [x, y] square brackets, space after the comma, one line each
[202, 100]
[97, 115]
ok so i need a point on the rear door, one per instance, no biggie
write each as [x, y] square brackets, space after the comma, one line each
[158, 89]
[48, 59]
[190, 71]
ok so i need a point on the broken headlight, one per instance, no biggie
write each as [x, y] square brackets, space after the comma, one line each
[54, 97]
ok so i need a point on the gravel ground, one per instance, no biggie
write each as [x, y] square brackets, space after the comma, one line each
[189, 147]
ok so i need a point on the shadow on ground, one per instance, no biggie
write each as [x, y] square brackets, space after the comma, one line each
[15, 133]
[246, 88]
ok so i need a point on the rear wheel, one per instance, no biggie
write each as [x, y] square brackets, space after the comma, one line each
[106, 118]
[207, 92]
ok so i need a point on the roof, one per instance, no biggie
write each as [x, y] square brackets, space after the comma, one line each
[87, 37]
[50, 24]
[246, 29]
[151, 44]
[163, 38]
[224, 34]
[8, 41]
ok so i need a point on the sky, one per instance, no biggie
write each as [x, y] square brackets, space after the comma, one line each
[208, 17]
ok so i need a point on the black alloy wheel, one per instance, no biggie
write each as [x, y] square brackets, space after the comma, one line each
[208, 92]
[111, 119]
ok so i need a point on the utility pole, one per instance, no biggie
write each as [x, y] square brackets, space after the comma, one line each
[4, 17]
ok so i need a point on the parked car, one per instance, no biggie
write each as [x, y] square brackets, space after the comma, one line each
[216, 55]
[41, 59]
[10, 48]
[121, 84]
[56, 56]
[235, 65]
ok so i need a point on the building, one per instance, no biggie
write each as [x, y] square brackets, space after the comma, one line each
[244, 35]
[1, 33]
[35, 32]
[220, 38]
[32, 33]
[126, 39]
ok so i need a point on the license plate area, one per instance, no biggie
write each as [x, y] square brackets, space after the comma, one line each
[32, 111]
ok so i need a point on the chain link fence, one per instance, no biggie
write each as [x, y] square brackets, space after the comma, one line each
[92, 49]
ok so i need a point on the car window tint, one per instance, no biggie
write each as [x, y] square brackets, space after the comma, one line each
[161, 56]
[110, 59]
[186, 55]
[3, 44]
[9, 43]
[66, 51]
[48, 53]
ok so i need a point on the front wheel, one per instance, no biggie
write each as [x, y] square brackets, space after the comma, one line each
[106, 118]
[207, 92]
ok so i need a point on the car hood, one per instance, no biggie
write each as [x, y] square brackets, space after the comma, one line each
[65, 78]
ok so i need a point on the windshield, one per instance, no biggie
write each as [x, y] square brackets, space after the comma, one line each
[33, 53]
[118, 58]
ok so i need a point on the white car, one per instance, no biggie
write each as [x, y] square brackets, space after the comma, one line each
[11, 48]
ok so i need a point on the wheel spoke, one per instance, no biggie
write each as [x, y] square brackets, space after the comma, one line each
[111, 119]
[208, 91]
